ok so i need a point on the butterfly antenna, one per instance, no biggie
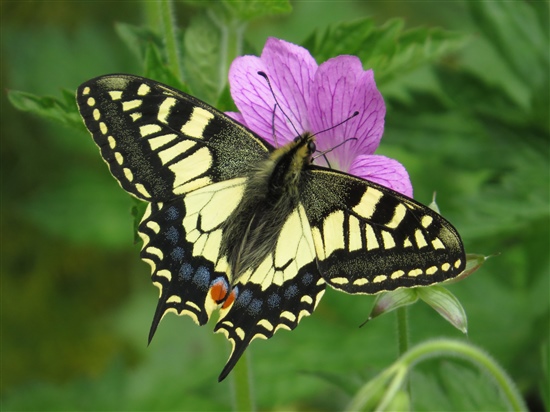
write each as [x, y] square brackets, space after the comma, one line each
[338, 145]
[331, 149]
[277, 104]
[338, 124]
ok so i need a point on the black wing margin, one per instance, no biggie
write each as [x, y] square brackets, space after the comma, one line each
[369, 238]
[160, 143]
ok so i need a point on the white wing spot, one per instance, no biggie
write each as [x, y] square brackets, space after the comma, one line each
[141, 189]
[173, 299]
[458, 263]
[379, 278]
[164, 273]
[397, 274]
[426, 220]
[415, 272]
[169, 154]
[420, 239]
[164, 109]
[372, 242]
[143, 89]
[91, 101]
[159, 141]
[431, 270]
[103, 127]
[148, 129]
[333, 232]
[388, 240]
[85, 91]
[398, 215]
[119, 159]
[266, 324]
[96, 115]
[367, 205]
[195, 126]
[437, 244]
[339, 281]
[360, 281]
[445, 267]
[128, 173]
[131, 104]
[112, 142]
[135, 116]
[115, 95]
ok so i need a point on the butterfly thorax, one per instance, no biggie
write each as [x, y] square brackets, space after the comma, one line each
[271, 195]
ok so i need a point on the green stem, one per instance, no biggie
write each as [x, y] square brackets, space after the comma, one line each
[231, 43]
[169, 34]
[403, 335]
[394, 377]
[473, 354]
[402, 330]
[242, 386]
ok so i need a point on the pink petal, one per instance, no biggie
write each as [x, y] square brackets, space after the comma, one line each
[384, 171]
[342, 87]
[251, 94]
[291, 70]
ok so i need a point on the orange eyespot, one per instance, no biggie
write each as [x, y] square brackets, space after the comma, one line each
[218, 291]
[230, 299]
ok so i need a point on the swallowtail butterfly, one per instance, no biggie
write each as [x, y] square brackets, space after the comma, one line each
[256, 231]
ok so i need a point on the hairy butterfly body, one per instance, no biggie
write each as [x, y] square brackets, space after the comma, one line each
[256, 231]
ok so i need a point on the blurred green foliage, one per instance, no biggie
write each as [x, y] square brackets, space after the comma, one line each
[467, 90]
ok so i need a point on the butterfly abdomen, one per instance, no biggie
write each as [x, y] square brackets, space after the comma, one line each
[271, 195]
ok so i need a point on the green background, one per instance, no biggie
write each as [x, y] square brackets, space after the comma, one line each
[468, 116]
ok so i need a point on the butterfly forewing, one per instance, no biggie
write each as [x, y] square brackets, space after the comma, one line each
[160, 143]
[369, 238]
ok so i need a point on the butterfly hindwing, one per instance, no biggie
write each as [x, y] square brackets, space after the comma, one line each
[369, 238]
[286, 287]
[161, 143]
[181, 242]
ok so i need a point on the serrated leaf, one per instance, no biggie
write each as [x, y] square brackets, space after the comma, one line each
[47, 107]
[446, 304]
[156, 69]
[513, 28]
[202, 61]
[137, 39]
[253, 9]
[388, 50]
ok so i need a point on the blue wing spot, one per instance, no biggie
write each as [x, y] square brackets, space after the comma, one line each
[273, 301]
[172, 213]
[186, 270]
[255, 307]
[291, 291]
[177, 254]
[307, 279]
[202, 277]
[172, 235]
[244, 298]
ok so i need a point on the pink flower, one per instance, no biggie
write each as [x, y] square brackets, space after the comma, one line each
[316, 98]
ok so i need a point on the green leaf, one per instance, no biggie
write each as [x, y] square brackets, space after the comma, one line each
[514, 29]
[253, 9]
[138, 39]
[390, 51]
[63, 111]
[155, 68]
[389, 301]
[446, 304]
[203, 59]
